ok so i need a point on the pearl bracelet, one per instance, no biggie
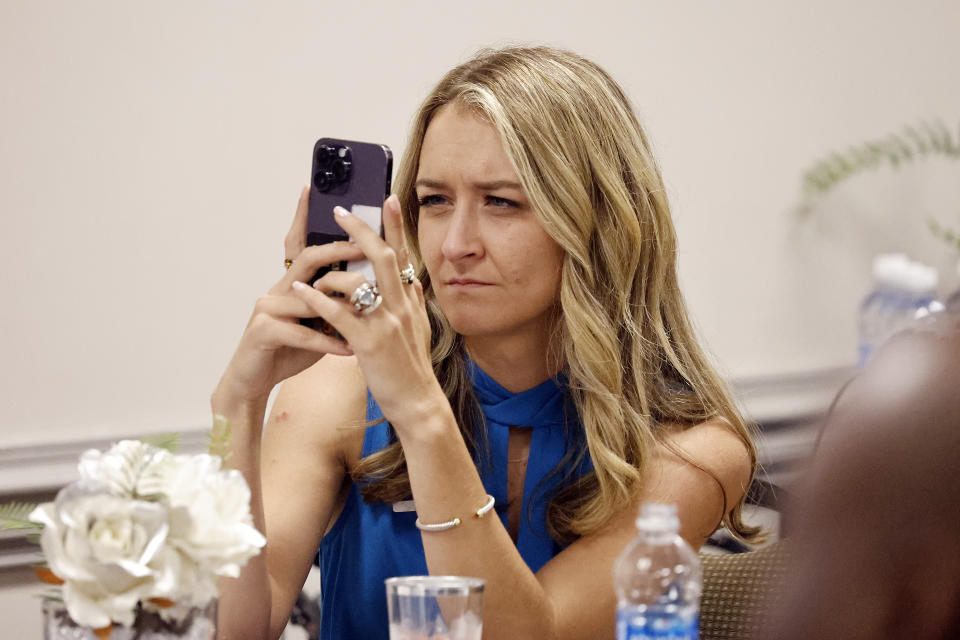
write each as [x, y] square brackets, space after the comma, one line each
[450, 524]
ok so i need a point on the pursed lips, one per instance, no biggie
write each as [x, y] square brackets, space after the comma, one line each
[465, 283]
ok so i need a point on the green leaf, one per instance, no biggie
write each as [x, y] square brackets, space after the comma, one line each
[911, 143]
[952, 147]
[861, 156]
[15, 516]
[842, 165]
[950, 236]
[904, 150]
[168, 441]
[218, 437]
[937, 142]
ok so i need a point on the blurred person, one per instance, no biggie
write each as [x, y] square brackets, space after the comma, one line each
[539, 363]
[877, 547]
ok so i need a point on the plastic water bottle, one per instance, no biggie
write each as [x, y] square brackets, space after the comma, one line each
[903, 293]
[923, 289]
[657, 580]
[883, 307]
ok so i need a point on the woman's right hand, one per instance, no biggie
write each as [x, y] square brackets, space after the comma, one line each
[274, 345]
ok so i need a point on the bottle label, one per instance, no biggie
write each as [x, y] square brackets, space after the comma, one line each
[634, 624]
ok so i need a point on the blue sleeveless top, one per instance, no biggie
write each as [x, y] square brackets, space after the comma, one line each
[370, 542]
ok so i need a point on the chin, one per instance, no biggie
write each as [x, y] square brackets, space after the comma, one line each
[471, 326]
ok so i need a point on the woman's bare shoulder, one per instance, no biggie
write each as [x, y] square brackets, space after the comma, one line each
[718, 449]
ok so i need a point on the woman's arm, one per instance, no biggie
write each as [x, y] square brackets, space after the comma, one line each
[571, 596]
[302, 446]
[302, 471]
[295, 472]
[583, 573]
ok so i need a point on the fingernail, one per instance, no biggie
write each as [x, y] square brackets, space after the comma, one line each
[394, 201]
[340, 211]
[300, 286]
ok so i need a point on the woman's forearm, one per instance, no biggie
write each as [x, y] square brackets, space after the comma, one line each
[244, 602]
[445, 485]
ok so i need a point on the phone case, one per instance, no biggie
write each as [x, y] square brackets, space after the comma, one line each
[353, 175]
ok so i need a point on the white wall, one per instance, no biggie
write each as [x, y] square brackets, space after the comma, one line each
[152, 154]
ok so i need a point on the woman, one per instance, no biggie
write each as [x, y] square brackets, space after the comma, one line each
[541, 360]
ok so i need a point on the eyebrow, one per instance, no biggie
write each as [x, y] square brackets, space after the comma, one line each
[484, 186]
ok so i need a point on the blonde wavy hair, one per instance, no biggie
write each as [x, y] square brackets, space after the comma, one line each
[632, 359]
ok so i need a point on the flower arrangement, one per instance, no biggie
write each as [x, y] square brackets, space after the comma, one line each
[143, 529]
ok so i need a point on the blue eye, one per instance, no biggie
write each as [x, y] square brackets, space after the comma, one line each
[430, 200]
[497, 201]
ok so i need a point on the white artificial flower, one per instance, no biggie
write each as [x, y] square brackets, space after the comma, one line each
[210, 520]
[143, 523]
[130, 468]
[107, 549]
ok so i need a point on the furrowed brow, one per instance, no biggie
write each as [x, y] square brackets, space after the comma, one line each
[492, 185]
[429, 184]
[498, 184]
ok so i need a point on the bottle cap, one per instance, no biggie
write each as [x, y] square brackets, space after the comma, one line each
[889, 267]
[921, 279]
[658, 517]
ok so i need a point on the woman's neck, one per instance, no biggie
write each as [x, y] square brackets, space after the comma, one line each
[516, 364]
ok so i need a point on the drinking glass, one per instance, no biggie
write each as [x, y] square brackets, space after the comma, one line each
[435, 608]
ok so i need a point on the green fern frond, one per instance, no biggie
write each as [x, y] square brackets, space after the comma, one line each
[218, 438]
[168, 441]
[15, 516]
[950, 236]
[896, 149]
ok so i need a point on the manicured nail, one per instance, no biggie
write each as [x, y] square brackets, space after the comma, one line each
[340, 211]
[300, 286]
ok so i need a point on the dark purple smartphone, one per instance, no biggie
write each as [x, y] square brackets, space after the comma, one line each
[355, 176]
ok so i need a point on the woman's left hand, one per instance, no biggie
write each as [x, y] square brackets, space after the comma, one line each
[392, 342]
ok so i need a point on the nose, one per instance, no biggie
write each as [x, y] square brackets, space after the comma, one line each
[462, 238]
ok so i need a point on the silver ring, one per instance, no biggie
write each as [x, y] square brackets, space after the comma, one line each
[408, 275]
[366, 298]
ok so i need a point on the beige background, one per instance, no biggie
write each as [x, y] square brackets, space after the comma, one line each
[151, 154]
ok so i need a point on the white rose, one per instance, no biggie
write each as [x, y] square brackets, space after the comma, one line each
[106, 549]
[130, 468]
[210, 520]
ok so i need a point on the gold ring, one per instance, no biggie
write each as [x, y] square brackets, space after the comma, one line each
[287, 264]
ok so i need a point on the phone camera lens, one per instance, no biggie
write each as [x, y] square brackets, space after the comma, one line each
[326, 155]
[333, 164]
[322, 180]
